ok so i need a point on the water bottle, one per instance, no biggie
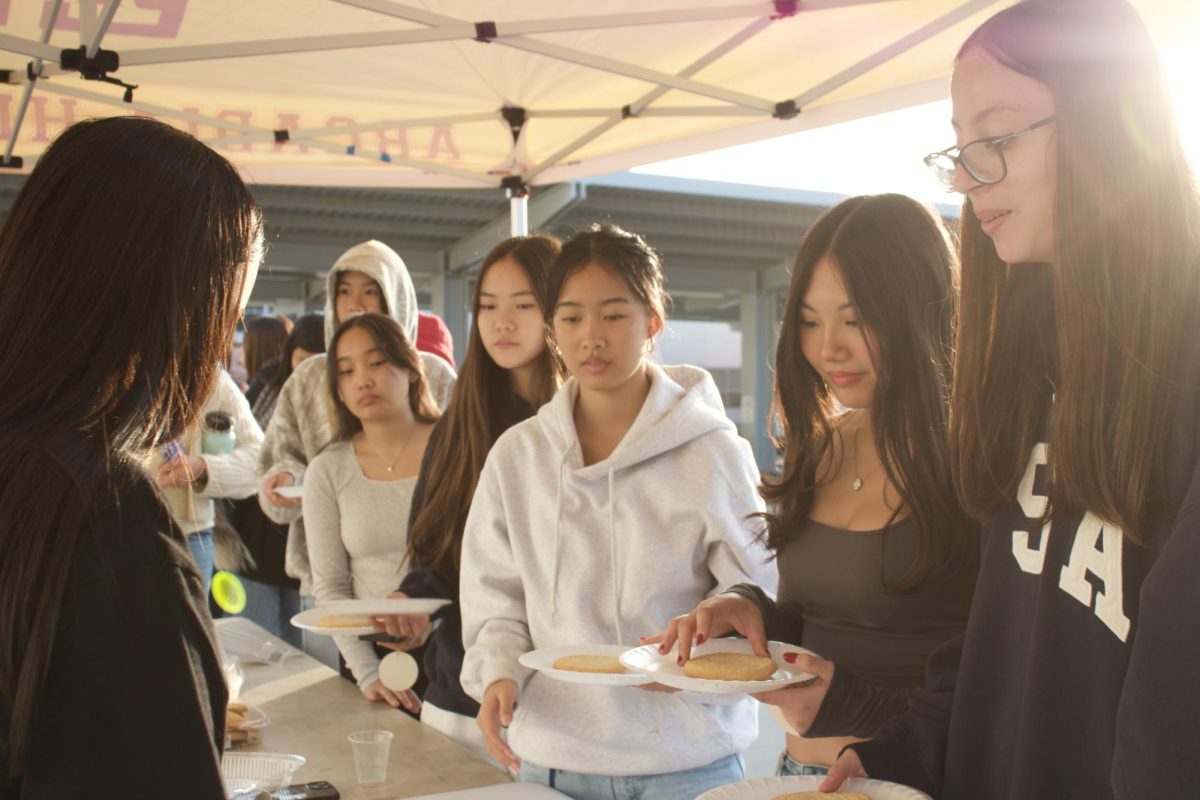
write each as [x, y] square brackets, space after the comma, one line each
[218, 436]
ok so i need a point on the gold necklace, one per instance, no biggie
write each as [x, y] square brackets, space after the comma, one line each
[389, 467]
[858, 479]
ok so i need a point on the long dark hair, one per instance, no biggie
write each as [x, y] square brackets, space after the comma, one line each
[896, 262]
[483, 405]
[138, 235]
[398, 351]
[264, 340]
[1104, 322]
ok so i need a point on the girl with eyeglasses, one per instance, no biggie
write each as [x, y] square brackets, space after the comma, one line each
[1074, 426]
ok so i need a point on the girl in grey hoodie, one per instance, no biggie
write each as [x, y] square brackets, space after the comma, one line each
[368, 278]
[625, 501]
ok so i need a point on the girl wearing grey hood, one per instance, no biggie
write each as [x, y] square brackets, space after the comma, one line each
[368, 278]
[625, 501]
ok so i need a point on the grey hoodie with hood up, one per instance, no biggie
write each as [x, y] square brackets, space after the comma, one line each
[303, 419]
[560, 554]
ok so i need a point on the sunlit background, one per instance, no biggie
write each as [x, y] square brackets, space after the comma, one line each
[883, 153]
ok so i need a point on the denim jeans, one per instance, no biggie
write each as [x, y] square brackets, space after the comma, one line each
[790, 766]
[273, 607]
[683, 785]
[201, 545]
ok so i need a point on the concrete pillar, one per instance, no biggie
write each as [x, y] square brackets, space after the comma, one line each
[450, 299]
[758, 360]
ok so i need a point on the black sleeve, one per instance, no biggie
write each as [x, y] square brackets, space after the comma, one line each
[911, 748]
[854, 706]
[1157, 725]
[431, 582]
[784, 622]
[134, 694]
[418, 498]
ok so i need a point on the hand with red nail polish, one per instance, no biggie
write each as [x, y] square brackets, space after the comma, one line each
[717, 616]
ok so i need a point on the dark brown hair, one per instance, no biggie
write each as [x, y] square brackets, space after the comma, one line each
[398, 351]
[307, 334]
[264, 339]
[138, 236]
[1100, 327]
[625, 254]
[895, 260]
[484, 404]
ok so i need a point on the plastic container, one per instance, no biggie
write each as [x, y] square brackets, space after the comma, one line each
[269, 771]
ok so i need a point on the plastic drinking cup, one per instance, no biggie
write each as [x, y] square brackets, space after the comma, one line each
[371, 755]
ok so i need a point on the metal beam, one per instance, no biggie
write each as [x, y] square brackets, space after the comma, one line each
[544, 205]
[615, 67]
[316, 144]
[304, 134]
[300, 44]
[606, 21]
[106, 19]
[901, 45]
[27, 92]
[642, 102]
[28, 47]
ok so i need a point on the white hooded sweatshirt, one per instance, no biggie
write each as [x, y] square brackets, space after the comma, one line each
[557, 553]
[303, 421]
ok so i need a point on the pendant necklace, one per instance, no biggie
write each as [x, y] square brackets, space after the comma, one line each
[412, 431]
[858, 479]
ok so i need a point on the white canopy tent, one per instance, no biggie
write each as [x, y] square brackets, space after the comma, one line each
[467, 93]
[386, 93]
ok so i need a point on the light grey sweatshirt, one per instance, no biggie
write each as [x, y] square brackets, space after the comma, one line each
[303, 420]
[557, 553]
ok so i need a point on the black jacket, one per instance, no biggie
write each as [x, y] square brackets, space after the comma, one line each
[135, 699]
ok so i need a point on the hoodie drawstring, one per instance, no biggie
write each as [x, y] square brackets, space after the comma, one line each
[612, 541]
[557, 517]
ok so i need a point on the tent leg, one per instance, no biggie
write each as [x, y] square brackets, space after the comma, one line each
[518, 209]
[36, 69]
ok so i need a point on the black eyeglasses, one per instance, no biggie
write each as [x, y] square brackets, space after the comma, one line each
[983, 159]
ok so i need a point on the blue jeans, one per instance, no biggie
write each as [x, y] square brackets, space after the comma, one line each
[273, 607]
[790, 766]
[683, 785]
[201, 545]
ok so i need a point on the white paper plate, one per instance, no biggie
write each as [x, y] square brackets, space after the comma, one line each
[543, 661]
[308, 621]
[411, 606]
[664, 670]
[770, 788]
[290, 491]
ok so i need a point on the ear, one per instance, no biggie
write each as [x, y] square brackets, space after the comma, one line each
[656, 326]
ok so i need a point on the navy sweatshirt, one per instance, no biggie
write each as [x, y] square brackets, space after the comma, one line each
[1077, 676]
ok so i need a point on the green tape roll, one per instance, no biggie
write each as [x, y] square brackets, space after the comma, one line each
[228, 592]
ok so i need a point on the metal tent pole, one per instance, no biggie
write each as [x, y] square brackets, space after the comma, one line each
[34, 68]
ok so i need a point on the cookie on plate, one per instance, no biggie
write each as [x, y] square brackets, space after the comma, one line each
[609, 665]
[730, 667]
